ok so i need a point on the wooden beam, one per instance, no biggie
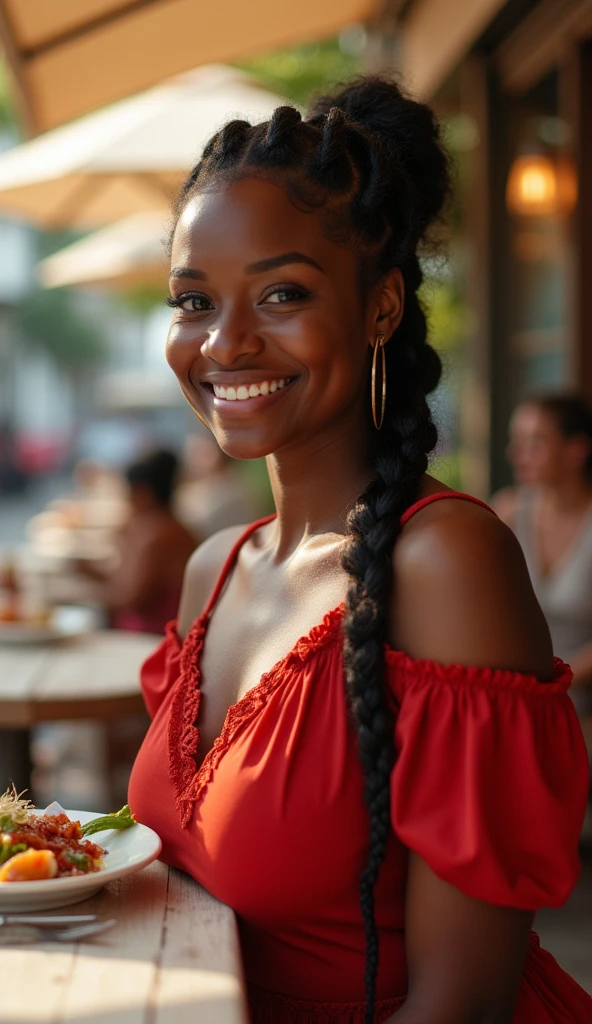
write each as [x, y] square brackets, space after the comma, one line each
[475, 409]
[541, 41]
[14, 59]
[436, 34]
[576, 109]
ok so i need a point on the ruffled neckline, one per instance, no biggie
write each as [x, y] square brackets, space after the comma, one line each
[190, 780]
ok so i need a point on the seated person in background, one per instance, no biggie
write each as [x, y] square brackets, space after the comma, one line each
[550, 511]
[212, 494]
[142, 591]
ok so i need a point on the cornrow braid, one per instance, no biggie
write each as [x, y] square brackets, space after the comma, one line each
[370, 160]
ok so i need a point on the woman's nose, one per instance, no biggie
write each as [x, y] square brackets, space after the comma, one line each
[234, 337]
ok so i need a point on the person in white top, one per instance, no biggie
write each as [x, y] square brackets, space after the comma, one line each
[550, 511]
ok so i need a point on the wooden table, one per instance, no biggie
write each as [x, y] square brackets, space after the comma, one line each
[91, 677]
[172, 958]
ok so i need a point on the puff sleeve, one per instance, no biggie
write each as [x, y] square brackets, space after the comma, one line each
[491, 779]
[161, 669]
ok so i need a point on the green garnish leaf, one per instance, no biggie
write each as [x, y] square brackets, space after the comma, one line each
[80, 860]
[122, 819]
[7, 850]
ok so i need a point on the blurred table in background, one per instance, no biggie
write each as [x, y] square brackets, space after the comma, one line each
[93, 677]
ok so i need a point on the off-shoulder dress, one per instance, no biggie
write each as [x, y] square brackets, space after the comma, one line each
[489, 788]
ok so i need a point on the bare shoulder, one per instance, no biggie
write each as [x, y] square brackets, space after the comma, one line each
[463, 594]
[201, 574]
[504, 503]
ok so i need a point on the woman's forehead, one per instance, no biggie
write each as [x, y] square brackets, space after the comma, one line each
[251, 219]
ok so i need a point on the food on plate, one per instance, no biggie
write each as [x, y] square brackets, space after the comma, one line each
[37, 846]
[30, 865]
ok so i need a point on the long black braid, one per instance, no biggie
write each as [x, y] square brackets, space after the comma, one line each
[371, 160]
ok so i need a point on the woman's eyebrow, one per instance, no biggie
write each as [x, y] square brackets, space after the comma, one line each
[196, 275]
[280, 261]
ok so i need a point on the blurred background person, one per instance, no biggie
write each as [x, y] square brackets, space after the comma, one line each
[141, 590]
[213, 494]
[13, 479]
[550, 511]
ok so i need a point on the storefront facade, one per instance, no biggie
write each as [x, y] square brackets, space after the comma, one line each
[514, 83]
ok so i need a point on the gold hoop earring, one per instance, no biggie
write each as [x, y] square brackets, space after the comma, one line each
[379, 344]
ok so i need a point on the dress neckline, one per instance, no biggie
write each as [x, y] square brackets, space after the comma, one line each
[190, 780]
[567, 557]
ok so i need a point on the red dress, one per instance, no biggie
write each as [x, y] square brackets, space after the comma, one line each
[489, 787]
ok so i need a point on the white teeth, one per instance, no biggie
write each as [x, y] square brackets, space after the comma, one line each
[245, 391]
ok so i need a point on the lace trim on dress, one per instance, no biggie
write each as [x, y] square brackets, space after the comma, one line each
[183, 730]
[273, 1008]
[189, 781]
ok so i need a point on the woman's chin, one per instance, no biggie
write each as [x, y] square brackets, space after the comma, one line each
[244, 448]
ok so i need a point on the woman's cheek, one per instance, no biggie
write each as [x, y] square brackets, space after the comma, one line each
[180, 352]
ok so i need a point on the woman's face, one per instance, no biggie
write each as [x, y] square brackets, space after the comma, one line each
[538, 452]
[269, 339]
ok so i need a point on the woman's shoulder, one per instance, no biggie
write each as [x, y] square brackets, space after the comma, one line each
[202, 574]
[463, 594]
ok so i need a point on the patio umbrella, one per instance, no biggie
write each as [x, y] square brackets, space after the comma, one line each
[128, 157]
[127, 253]
[73, 56]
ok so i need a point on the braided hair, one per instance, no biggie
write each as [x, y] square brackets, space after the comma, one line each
[371, 160]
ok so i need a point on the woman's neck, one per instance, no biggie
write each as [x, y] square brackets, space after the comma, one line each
[314, 489]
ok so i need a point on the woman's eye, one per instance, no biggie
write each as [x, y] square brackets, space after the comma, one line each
[191, 303]
[282, 295]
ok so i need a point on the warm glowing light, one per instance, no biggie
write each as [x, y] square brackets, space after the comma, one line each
[540, 187]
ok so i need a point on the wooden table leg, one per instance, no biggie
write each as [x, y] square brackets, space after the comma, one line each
[15, 759]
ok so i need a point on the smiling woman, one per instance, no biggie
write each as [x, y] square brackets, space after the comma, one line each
[375, 806]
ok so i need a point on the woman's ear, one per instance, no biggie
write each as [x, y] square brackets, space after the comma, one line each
[387, 304]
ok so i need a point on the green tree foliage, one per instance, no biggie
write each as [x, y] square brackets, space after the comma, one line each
[48, 320]
[300, 71]
[8, 118]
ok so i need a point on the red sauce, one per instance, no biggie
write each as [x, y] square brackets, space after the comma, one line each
[74, 854]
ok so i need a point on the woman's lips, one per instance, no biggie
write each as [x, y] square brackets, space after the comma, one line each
[236, 406]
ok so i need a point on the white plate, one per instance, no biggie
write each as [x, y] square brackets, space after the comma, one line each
[129, 850]
[65, 623]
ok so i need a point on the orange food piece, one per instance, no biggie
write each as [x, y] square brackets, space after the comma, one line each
[29, 866]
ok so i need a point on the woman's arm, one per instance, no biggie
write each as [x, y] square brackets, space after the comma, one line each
[465, 957]
[464, 597]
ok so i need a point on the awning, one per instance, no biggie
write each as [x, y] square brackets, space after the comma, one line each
[129, 157]
[72, 56]
[129, 253]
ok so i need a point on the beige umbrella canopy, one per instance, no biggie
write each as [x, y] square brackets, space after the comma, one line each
[129, 157]
[71, 56]
[128, 253]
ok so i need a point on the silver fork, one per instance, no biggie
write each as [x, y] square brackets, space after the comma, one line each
[55, 921]
[20, 935]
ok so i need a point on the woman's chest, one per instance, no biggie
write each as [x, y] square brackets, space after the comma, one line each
[279, 825]
[246, 640]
